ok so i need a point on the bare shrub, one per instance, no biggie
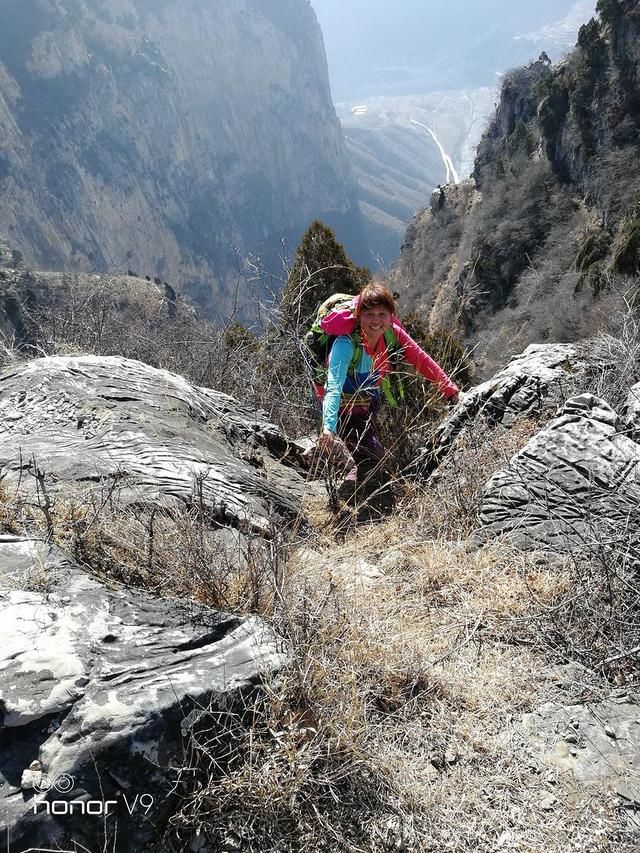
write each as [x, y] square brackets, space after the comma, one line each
[392, 725]
[175, 549]
[614, 353]
[449, 504]
[597, 620]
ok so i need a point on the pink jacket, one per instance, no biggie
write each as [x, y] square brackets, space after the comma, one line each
[423, 363]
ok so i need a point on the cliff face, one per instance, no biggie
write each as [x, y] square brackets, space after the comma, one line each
[580, 110]
[160, 134]
[545, 238]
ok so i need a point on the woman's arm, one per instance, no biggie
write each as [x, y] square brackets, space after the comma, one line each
[424, 364]
[339, 361]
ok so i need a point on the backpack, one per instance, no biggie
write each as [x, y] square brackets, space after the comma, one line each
[336, 316]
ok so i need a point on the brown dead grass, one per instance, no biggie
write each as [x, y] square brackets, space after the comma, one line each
[452, 633]
[171, 551]
[413, 654]
[396, 725]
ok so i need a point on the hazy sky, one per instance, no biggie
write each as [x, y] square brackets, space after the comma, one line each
[362, 35]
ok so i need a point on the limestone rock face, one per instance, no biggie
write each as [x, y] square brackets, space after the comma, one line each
[101, 686]
[90, 419]
[426, 273]
[580, 473]
[159, 136]
[537, 377]
[518, 103]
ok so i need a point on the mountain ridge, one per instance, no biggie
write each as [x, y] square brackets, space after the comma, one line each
[543, 243]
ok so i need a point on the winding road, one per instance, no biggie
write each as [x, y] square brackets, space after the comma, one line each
[448, 163]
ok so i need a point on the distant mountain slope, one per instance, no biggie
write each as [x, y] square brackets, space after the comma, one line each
[397, 161]
[544, 242]
[163, 136]
[396, 168]
[438, 64]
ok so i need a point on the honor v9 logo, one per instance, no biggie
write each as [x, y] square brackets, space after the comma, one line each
[63, 783]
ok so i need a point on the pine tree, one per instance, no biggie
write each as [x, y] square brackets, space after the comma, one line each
[321, 268]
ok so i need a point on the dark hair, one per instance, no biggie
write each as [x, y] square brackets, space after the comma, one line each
[376, 295]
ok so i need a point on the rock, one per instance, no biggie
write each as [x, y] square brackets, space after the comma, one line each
[392, 560]
[106, 420]
[601, 761]
[631, 410]
[360, 574]
[31, 779]
[451, 757]
[568, 676]
[356, 576]
[306, 445]
[431, 772]
[437, 200]
[505, 839]
[103, 684]
[548, 802]
[578, 473]
[398, 559]
[232, 844]
[6, 256]
[535, 378]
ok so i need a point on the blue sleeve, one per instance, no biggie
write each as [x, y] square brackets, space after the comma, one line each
[339, 361]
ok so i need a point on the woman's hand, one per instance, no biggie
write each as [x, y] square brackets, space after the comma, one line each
[456, 398]
[327, 441]
[335, 450]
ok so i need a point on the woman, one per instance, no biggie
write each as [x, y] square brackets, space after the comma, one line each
[354, 382]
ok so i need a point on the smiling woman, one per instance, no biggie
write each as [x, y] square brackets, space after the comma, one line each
[359, 368]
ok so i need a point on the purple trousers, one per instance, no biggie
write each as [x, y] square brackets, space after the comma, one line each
[360, 433]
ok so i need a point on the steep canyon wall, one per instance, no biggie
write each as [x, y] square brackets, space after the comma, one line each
[166, 136]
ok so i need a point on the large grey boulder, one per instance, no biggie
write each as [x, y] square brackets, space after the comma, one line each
[91, 419]
[539, 377]
[101, 687]
[575, 484]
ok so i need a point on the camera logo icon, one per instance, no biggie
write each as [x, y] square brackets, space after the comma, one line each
[63, 783]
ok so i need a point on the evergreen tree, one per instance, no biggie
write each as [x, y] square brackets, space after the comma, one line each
[321, 268]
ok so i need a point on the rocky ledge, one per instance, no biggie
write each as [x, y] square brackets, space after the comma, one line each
[87, 420]
[574, 485]
[100, 687]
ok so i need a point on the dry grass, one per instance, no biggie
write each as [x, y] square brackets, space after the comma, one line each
[393, 727]
[413, 657]
[449, 505]
[614, 354]
[413, 654]
[175, 550]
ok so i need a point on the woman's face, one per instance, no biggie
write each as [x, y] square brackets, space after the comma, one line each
[374, 322]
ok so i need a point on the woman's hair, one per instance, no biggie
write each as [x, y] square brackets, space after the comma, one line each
[376, 295]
